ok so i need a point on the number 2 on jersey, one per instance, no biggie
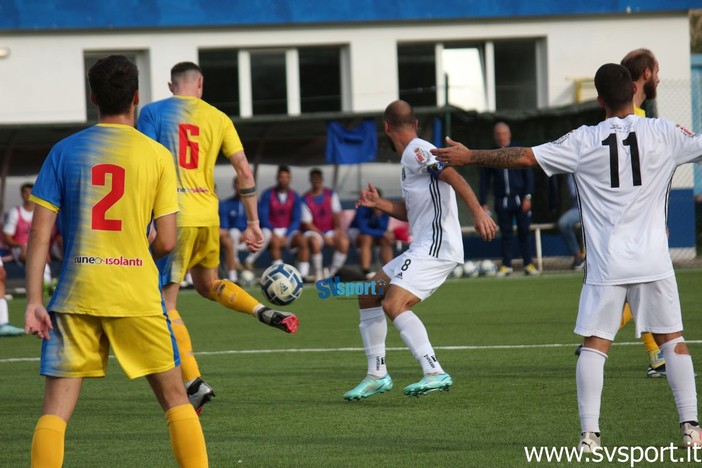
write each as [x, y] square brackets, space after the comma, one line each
[100, 221]
[633, 145]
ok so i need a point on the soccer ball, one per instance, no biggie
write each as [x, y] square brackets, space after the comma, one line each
[487, 268]
[458, 271]
[470, 269]
[281, 284]
[247, 278]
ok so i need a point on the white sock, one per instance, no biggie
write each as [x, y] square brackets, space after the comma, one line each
[4, 315]
[414, 334]
[277, 262]
[317, 263]
[374, 329]
[233, 276]
[47, 273]
[681, 378]
[304, 268]
[589, 378]
[338, 261]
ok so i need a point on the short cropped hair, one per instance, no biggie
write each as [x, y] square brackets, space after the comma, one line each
[114, 81]
[283, 168]
[614, 85]
[315, 171]
[181, 69]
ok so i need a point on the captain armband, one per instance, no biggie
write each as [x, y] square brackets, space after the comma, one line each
[435, 169]
[247, 192]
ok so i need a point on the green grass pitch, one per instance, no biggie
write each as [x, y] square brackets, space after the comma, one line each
[508, 343]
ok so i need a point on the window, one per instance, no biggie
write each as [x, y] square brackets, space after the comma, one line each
[221, 86]
[268, 83]
[320, 83]
[417, 74]
[515, 75]
[484, 76]
[246, 82]
[464, 75]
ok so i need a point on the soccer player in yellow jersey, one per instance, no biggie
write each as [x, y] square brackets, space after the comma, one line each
[106, 183]
[643, 66]
[195, 133]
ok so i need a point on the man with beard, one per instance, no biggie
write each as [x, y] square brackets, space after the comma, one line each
[643, 66]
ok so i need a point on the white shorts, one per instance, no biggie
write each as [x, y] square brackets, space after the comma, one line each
[419, 274]
[281, 232]
[353, 235]
[327, 239]
[655, 307]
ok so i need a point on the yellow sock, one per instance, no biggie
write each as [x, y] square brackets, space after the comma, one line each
[187, 439]
[48, 442]
[654, 353]
[233, 297]
[627, 316]
[188, 364]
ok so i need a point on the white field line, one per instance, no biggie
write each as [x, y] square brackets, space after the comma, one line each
[342, 350]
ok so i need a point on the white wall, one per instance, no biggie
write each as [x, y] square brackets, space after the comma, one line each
[42, 79]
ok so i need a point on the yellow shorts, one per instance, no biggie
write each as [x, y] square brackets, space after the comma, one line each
[80, 344]
[195, 246]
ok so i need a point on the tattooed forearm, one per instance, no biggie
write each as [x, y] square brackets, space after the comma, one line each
[503, 157]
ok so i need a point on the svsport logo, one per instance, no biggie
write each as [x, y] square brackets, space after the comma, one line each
[334, 287]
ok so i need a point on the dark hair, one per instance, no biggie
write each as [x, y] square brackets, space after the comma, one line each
[180, 69]
[283, 168]
[614, 85]
[114, 81]
[637, 61]
[399, 114]
[315, 171]
[26, 185]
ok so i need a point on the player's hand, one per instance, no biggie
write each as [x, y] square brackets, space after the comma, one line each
[37, 321]
[368, 198]
[485, 225]
[456, 154]
[526, 206]
[253, 237]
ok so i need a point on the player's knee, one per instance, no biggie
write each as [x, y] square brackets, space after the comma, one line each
[681, 348]
[366, 301]
[204, 288]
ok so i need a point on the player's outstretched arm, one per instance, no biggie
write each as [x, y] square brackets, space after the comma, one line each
[484, 224]
[370, 198]
[36, 318]
[456, 154]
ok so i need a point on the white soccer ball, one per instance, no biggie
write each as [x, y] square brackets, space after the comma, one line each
[470, 269]
[487, 268]
[458, 271]
[247, 278]
[281, 284]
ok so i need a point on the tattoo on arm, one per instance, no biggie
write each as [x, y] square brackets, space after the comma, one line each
[501, 158]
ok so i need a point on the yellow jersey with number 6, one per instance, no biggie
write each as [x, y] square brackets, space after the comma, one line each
[195, 133]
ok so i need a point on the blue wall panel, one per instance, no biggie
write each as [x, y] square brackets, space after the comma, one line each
[79, 14]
